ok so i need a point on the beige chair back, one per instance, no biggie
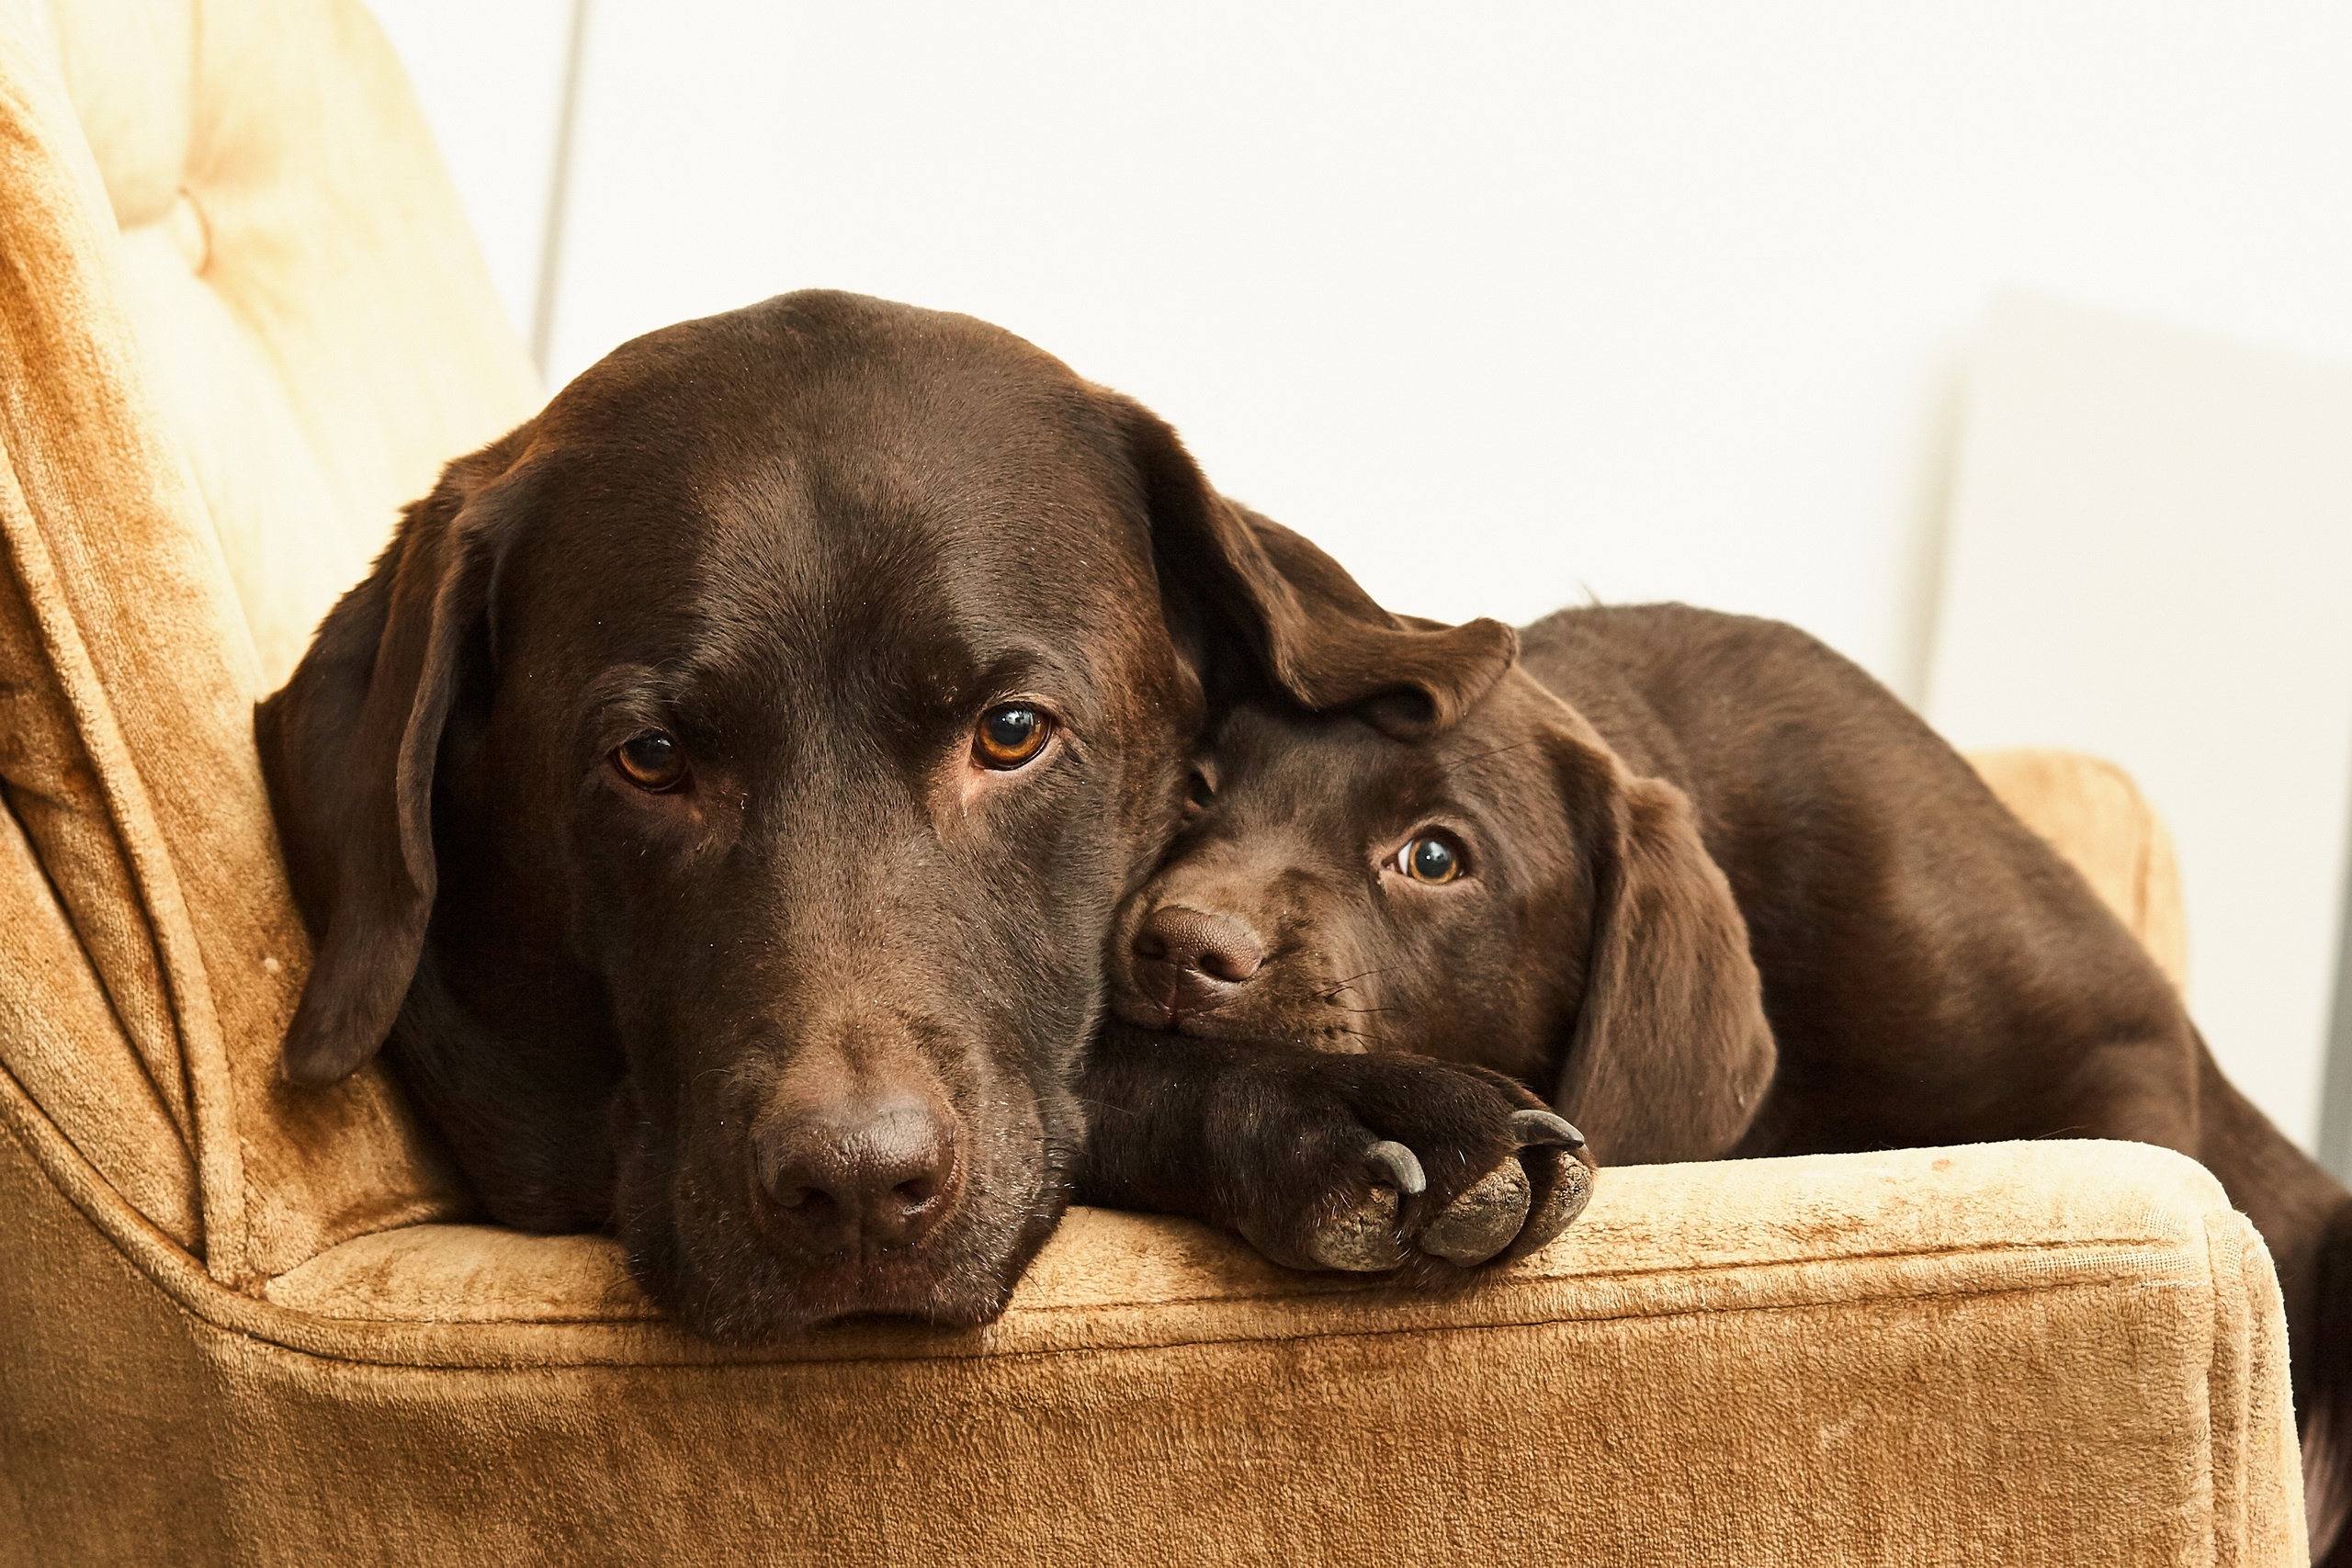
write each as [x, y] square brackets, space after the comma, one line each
[242, 320]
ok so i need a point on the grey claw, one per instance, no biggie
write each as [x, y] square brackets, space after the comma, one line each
[1401, 1166]
[1543, 1127]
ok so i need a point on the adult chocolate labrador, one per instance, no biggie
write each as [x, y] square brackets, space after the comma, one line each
[719, 792]
[1718, 819]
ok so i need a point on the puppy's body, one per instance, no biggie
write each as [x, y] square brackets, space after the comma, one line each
[1931, 972]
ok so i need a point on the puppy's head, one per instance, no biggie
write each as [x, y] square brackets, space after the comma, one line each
[721, 789]
[1504, 893]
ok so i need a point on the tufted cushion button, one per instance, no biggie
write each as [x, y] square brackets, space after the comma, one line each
[190, 234]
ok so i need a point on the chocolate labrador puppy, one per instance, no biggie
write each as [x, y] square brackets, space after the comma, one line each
[1717, 820]
[718, 795]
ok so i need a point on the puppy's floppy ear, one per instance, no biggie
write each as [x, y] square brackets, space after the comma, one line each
[348, 748]
[1669, 1054]
[1298, 619]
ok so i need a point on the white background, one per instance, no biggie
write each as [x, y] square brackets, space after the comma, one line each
[1503, 303]
[2149, 557]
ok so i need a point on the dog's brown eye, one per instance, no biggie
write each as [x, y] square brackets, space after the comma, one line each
[651, 761]
[1431, 857]
[1198, 793]
[1009, 736]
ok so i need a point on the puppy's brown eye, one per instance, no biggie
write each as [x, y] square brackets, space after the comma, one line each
[651, 762]
[1431, 857]
[1198, 793]
[1009, 736]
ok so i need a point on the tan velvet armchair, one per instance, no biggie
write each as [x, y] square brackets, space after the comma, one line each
[240, 319]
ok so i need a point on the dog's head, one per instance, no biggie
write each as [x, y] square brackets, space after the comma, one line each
[720, 791]
[1505, 893]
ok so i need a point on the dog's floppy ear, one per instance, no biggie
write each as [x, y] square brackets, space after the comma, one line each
[1300, 621]
[348, 748]
[1669, 1054]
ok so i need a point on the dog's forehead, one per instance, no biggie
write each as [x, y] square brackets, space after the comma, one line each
[870, 493]
[1293, 766]
[1336, 767]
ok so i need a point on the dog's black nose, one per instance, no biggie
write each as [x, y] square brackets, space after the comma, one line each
[847, 1171]
[1191, 960]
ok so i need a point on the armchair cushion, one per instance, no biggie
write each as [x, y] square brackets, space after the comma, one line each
[2093, 814]
[2038, 1352]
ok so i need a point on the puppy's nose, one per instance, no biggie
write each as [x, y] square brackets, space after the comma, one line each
[1191, 960]
[848, 1171]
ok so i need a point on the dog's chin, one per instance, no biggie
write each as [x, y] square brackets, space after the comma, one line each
[721, 1281]
[1131, 1007]
[1128, 1003]
[1246, 1025]
[759, 1311]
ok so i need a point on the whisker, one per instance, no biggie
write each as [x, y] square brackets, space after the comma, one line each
[1338, 985]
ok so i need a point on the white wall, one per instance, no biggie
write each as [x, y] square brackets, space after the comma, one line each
[491, 79]
[1500, 304]
[1657, 300]
[2151, 557]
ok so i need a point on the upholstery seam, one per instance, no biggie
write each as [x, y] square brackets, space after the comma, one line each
[722, 1364]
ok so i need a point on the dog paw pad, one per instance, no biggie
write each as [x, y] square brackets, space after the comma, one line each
[1362, 1240]
[1483, 1221]
[1571, 1190]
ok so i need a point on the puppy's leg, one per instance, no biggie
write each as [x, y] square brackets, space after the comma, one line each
[1362, 1163]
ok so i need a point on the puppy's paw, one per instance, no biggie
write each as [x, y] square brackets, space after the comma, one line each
[1372, 1164]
